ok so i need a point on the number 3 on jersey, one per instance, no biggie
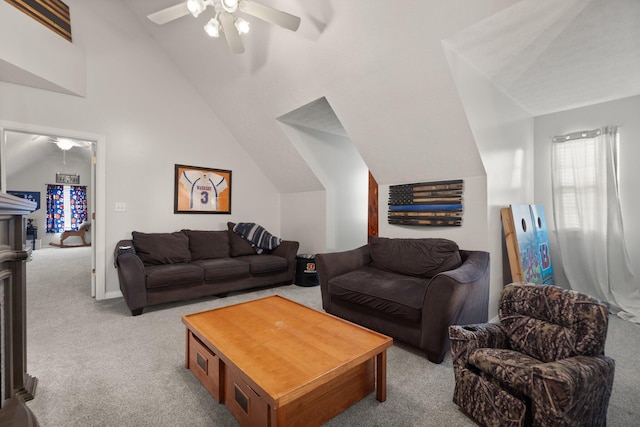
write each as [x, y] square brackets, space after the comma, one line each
[204, 197]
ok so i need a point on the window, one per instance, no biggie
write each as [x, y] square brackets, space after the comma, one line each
[576, 165]
[66, 207]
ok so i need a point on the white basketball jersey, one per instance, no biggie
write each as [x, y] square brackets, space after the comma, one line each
[203, 189]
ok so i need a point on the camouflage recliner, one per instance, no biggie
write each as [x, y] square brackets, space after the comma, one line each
[542, 365]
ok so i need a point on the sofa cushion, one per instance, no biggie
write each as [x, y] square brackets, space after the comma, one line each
[415, 257]
[394, 294]
[161, 248]
[158, 276]
[237, 245]
[265, 263]
[223, 268]
[208, 244]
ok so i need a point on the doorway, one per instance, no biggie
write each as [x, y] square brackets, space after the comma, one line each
[33, 157]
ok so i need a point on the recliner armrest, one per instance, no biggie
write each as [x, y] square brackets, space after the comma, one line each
[465, 339]
[563, 389]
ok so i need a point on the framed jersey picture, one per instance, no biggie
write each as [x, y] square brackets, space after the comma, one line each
[202, 190]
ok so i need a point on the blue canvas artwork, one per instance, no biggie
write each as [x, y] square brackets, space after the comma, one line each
[33, 196]
[542, 242]
[533, 243]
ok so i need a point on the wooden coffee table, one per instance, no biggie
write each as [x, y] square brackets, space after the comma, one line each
[274, 362]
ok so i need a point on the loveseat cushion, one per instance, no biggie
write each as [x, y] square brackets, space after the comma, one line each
[237, 245]
[265, 263]
[161, 248]
[208, 244]
[223, 268]
[415, 257]
[158, 276]
[393, 294]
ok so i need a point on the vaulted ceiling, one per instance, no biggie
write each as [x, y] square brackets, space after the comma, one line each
[380, 68]
[377, 71]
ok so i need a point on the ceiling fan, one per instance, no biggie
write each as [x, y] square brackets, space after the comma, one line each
[64, 144]
[224, 20]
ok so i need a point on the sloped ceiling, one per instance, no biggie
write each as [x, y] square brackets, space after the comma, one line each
[316, 115]
[381, 69]
[551, 56]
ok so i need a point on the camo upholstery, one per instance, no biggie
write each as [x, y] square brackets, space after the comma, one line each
[542, 365]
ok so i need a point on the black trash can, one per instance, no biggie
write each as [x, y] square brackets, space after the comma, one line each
[306, 274]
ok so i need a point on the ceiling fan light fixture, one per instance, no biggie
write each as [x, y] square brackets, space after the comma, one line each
[229, 5]
[225, 18]
[212, 28]
[242, 26]
[64, 144]
[196, 7]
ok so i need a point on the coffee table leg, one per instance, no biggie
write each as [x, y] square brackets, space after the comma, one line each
[381, 376]
[186, 357]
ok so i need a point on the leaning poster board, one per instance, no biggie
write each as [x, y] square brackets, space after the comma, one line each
[527, 242]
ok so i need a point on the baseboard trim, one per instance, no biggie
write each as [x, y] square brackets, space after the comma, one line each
[112, 294]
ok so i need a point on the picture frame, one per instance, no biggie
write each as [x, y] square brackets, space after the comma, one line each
[68, 178]
[200, 190]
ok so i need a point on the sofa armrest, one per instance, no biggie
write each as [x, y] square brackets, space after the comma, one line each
[330, 265]
[131, 276]
[288, 249]
[474, 266]
[455, 297]
[467, 338]
[572, 391]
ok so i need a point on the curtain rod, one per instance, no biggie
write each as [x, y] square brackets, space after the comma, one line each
[583, 134]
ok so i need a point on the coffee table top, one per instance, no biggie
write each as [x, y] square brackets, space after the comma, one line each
[284, 347]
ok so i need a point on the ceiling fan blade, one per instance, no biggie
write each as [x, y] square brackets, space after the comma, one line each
[271, 15]
[230, 33]
[169, 14]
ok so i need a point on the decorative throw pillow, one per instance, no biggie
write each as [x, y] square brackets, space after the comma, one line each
[162, 248]
[208, 244]
[415, 257]
[237, 245]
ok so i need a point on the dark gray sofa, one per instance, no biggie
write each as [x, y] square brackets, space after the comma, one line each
[409, 289]
[156, 268]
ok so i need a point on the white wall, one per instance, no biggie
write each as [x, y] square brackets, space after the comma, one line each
[338, 166]
[150, 118]
[624, 113]
[504, 135]
[304, 215]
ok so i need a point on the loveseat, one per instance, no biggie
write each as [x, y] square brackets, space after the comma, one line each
[409, 289]
[156, 268]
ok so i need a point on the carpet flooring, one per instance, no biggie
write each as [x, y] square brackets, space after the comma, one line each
[97, 365]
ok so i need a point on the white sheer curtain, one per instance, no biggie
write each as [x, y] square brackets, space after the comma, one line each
[589, 220]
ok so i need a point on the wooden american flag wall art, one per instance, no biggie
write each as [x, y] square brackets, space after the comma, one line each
[53, 14]
[437, 203]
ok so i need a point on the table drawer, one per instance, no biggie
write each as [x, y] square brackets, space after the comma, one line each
[206, 366]
[244, 403]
